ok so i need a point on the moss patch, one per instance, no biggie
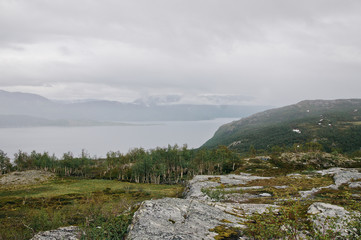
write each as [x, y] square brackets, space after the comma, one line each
[294, 185]
[226, 233]
[214, 179]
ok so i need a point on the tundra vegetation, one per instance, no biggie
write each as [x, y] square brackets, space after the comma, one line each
[333, 124]
[101, 194]
[102, 208]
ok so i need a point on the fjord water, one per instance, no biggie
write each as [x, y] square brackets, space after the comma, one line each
[99, 140]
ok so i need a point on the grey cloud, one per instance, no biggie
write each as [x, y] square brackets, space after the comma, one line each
[229, 99]
[159, 99]
[277, 52]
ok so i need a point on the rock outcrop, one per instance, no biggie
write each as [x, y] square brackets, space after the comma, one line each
[319, 160]
[197, 214]
[222, 201]
[25, 177]
[212, 201]
[232, 181]
[63, 233]
[327, 216]
[340, 176]
[172, 218]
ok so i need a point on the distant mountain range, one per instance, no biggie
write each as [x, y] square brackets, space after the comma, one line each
[25, 110]
[335, 124]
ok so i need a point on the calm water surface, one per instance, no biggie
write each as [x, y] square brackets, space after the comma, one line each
[97, 141]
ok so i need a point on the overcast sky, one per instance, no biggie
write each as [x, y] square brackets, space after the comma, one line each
[269, 52]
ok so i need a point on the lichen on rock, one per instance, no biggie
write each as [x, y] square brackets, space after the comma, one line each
[174, 218]
[63, 233]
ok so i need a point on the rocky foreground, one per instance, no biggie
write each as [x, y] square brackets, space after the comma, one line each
[222, 203]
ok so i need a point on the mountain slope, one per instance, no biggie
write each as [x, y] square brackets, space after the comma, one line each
[96, 110]
[336, 124]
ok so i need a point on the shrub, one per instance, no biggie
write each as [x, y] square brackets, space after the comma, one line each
[286, 222]
[108, 227]
[214, 194]
[290, 221]
[226, 233]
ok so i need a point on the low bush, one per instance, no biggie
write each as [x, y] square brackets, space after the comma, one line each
[285, 222]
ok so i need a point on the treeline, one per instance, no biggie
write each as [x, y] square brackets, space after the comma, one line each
[169, 165]
[173, 164]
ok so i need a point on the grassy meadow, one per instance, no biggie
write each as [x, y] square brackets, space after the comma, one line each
[94, 205]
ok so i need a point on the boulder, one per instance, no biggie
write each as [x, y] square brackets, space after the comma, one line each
[265, 195]
[63, 233]
[329, 217]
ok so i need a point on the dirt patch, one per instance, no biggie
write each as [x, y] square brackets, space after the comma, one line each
[25, 178]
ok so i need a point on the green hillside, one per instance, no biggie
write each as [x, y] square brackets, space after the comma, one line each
[335, 124]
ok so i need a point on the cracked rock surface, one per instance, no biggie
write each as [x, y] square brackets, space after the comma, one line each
[326, 216]
[200, 182]
[340, 176]
[173, 218]
[194, 216]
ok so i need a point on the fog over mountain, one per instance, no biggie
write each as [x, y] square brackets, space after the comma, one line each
[204, 51]
[24, 109]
